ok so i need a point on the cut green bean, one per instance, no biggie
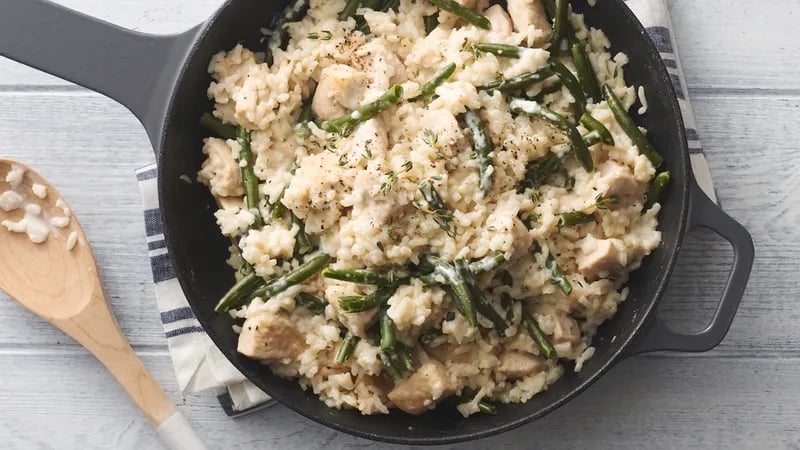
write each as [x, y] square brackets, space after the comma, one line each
[487, 408]
[453, 7]
[277, 209]
[549, 8]
[573, 86]
[359, 303]
[630, 128]
[306, 116]
[360, 276]
[586, 74]
[462, 297]
[487, 264]
[592, 138]
[592, 124]
[574, 218]
[479, 300]
[431, 22]
[557, 277]
[344, 125]
[560, 25]
[538, 336]
[310, 302]
[390, 368]
[388, 333]
[349, 10]
[438, 79]
[659, 184]
[504, 50]
[534, 109]
[346, 348]
[519, 82]
[430, 335]
[390, 4]
[483, 147]
[302, 243]
[277, 285]
[240, 292]
[372, 4]
[404, 354]
[249, 179]
[279, 36]
[215, 125]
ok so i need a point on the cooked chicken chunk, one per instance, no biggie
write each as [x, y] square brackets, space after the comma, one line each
[616, 180]
[527, 13]
[341, 89]
[602, 257]
[564, 328]
[501, 22]
[220, 171]
[423, 389]
[445, 127]
[450, 352]
[270, 337]
[380, 64]
[515, 364]
[369, 138]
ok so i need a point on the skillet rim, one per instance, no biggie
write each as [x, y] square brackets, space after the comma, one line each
[641, 322]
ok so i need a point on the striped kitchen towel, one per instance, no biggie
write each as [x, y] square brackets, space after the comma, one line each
[200, 366]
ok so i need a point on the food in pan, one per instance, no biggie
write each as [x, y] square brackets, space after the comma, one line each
[428, 199]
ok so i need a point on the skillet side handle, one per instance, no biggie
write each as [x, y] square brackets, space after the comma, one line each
[135, 69]
[705, 214]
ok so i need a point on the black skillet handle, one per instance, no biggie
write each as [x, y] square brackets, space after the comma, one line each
[135, 69]
[705, 214]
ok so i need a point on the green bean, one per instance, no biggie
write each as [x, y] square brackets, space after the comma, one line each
[388, 333]
[301, 242]
[428, 336]
[361, 276]
[390, 4]
[487, 408]
[249, 179]
[592, 124]
[310, 302]
[306, 116]
[549, 8]
[574, 218]
[537, 172]
[462, 297]
[586, 74]
[359, 303]
[483, 149]
[438, 79]
[389, 367]
[238, 294]
[630, 128]
[557, 277]
[278, 208]
[555, 87]
[431, 22]
[277, 285]
[349, 10]
[344, 125]
[404, 354]
[487, 263]
[520, 81]
[346, 348]
[535, 109]
[372, 4]
[573, 86]
[592, 138]
[657, 188]
[215, 125]
[479, 300]
[453, 7]
[560, 25]
[538, 335]
[505, 50]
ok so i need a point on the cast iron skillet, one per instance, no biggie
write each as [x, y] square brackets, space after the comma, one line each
[163, 80]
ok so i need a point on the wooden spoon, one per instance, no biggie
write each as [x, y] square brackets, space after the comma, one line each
[63, 287]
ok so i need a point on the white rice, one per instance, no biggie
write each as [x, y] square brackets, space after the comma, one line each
[359, 198]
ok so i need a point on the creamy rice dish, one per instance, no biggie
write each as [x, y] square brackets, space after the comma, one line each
[427, 199]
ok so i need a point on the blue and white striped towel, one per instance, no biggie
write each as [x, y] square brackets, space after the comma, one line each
[200, 366]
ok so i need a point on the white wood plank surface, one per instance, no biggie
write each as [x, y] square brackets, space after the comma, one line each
[741, 63]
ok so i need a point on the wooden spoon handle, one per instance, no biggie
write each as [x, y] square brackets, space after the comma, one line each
[96, 329]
